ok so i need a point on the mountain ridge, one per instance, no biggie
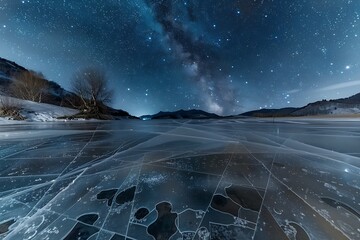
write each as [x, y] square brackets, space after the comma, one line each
[341, 106]
[182, 114]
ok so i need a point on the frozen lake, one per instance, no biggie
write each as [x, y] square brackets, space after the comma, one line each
[234, 179]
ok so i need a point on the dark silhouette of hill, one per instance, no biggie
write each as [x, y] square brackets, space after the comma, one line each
[183, 114]
[283, 112]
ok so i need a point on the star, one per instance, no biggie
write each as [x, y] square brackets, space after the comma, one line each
[220, 57]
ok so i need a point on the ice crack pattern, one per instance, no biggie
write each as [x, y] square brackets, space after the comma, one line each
[198, 180]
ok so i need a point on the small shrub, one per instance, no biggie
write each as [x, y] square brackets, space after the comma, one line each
[11, 108]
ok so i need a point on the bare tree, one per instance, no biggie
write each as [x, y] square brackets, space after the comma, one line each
[92, 87]
[29, 85]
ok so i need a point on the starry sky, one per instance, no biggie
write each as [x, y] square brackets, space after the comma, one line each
[222, 56]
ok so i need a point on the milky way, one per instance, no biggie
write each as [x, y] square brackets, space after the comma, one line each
[196, 56]
[223, 56]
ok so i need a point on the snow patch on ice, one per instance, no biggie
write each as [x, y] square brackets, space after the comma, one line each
[153, 180]
[328, 185]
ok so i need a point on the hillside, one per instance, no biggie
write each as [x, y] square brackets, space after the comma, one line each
[54, 95]
[8, 69]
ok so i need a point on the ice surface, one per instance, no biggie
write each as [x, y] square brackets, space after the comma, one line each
[235, 179]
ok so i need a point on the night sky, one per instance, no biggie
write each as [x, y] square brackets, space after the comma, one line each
[222, 56]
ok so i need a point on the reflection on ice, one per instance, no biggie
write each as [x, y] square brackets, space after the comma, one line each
[180, 180]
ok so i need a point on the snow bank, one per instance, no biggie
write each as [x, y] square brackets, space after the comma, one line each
[40, 112]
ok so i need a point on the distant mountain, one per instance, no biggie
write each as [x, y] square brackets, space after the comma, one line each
[343, 106]
[283, 112]
[182, 114]
[55, 94]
